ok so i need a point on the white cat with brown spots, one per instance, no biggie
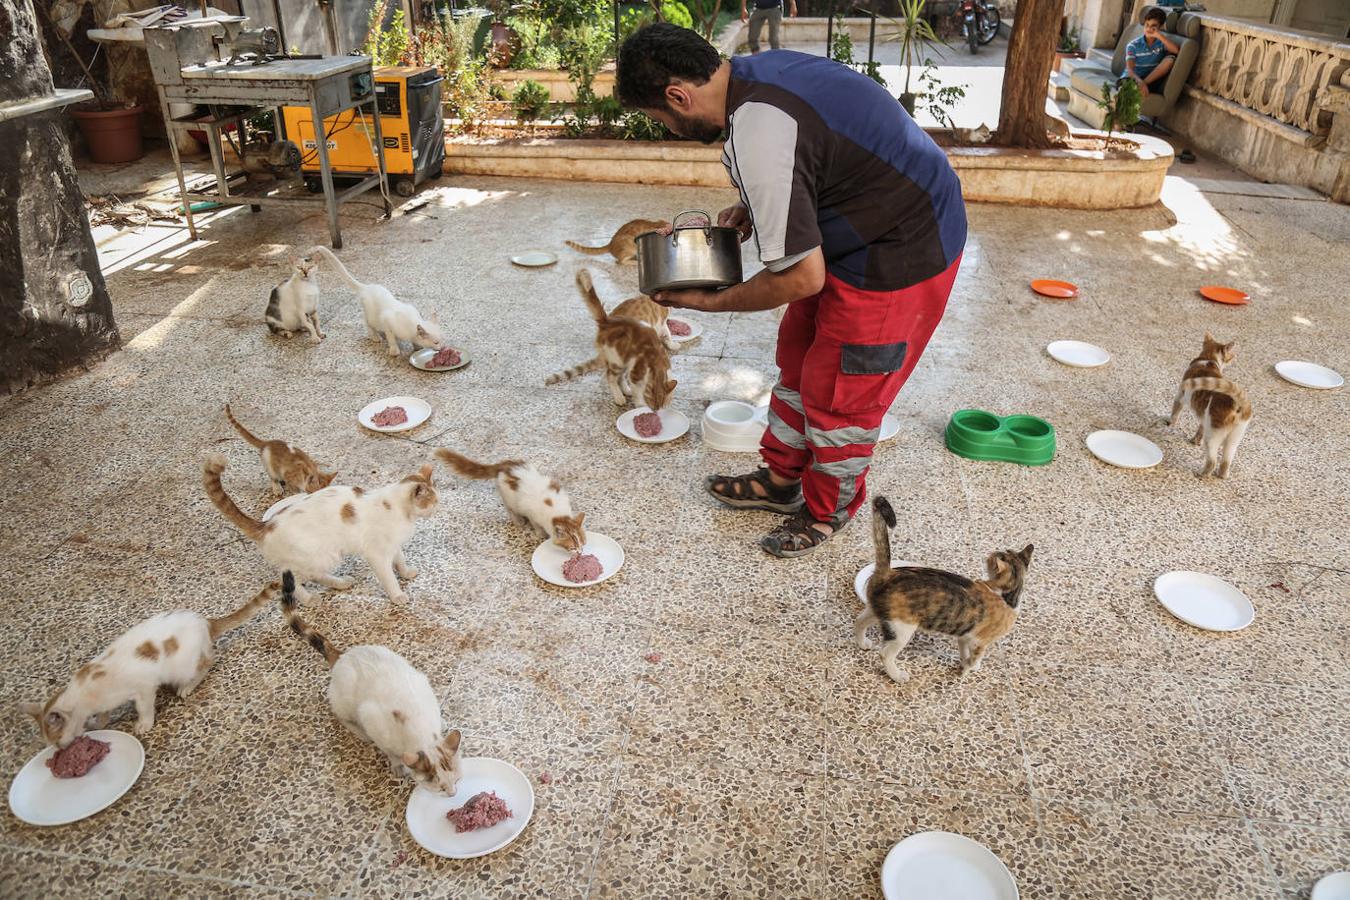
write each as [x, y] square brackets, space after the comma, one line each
[381, 698]
[311, 537]
[531, 498]
[173, 649]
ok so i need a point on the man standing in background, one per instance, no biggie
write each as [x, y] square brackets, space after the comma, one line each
[770, 11]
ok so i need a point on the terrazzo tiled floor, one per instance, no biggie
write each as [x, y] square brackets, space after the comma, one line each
[1105, 749]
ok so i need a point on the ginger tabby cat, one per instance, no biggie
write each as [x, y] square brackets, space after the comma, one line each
[1221, 406]
[623, 246]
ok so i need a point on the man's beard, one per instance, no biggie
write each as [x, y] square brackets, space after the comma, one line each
[697, 129]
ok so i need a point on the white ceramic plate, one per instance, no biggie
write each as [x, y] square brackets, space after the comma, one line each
[40, 798]
[1124, 449]
[1204, 601]
[860, 582]
[548, 559]
[534, 259]
[695, 329]
[674, 424]
[1335, 886]
[1078, 353]
[283, 503]
[1309, 375]
[420, 359]
[418, 411]
[426, 810]
[939, 865]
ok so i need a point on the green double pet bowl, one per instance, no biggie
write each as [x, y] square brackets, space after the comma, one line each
[977, 434]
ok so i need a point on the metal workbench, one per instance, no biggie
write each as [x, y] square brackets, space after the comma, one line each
[328, 86]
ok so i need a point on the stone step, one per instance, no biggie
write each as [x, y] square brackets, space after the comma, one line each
[1059, 87]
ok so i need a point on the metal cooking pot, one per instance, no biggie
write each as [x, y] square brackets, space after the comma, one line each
[691, 256]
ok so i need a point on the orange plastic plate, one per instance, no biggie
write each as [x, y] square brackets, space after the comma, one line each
[1049, 287]
[1231, 296]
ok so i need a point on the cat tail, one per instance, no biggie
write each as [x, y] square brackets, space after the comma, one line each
[1218, 386]
[589, 251]
[883, 520]
[215, 464]
[307, 634]
[247, 435]
[243, 613]
[470, 469]
[591, 298]
[591, 365]
[341, 269]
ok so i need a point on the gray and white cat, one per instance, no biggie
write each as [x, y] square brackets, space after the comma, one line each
[294, 304]
[387, 317]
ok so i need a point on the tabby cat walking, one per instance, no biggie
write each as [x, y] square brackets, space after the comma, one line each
[901, 601]
[1221, 406]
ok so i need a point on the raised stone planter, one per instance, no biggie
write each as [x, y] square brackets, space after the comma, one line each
[1071, 179]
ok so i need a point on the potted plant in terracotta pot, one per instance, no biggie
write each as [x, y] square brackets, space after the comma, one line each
[1068, 48]
[914, 32]
[111, 128]
[503, 37]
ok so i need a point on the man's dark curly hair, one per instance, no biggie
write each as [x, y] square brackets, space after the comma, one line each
[1156, 15]
[654, 55]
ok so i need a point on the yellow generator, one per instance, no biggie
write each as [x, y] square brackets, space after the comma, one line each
[409, 98]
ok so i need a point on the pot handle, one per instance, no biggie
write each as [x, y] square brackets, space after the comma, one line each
[706, 229]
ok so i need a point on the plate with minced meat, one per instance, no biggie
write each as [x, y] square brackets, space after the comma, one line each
[439, 359]
[649, 427]
[87, 776]
[491, 806]
[393, 414]
[598, 560]
[682, 329]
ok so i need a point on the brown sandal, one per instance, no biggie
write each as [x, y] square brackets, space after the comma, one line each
[738, 492]
[797, 536]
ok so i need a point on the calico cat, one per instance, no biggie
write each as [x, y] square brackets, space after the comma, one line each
[312, 536]
[388, 318]
[384, 701]
[294, 304]
[647, 311]
[531, 498]
[1221, 406]
[634, 360]
[289, 467]
[623, 246]
[976, 613]
[173, 649]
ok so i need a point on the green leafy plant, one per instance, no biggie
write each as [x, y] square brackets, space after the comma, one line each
[386, 46]
[564, 14]
[674, 12]
[1069, 43]
[537, 46]
[585, 48]
[529, 101]
[705, 15]
[1121, 104]
[638, 126]
[841, 45]
[936, 98]
[914, 34]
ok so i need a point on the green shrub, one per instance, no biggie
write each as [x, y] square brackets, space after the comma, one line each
[1121, 105]
[538, 47]
[564, 14]
[638, 126]
[676, 13]
[529, 101]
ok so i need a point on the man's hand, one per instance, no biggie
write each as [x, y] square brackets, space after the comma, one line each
[690, 299]
[737, 217]
[744, 17]
[793, 13]
[1143, 86]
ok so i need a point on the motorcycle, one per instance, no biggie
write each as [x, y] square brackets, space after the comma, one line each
[979, 22]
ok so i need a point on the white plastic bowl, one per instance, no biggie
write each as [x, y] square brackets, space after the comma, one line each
[732, 426]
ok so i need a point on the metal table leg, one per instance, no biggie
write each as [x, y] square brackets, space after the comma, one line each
[325, 173]
[379, 155]
[177, 163]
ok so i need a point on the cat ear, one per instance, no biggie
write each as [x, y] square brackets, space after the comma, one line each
[451, 741]
[31, 709]
[425, 472]
[581, 517]
[1209, 338]
[409, 759]
[1026, 554]
[670, 386]
[326, 478]
[422, 332]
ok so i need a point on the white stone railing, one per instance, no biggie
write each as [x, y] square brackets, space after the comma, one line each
[1292, 77]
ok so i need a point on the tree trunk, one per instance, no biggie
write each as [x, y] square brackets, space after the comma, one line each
[1026, 75]
[55, 313]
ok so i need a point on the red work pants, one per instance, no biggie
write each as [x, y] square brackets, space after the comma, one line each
[843, 355]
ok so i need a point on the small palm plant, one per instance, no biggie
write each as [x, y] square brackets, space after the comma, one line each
[914, 33]
[1121, 105]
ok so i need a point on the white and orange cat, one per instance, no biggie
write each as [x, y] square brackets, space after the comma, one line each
[636, 364]
[289, 467]
[623, 245]
[173, 649]
[383, 700]
[1221, 406]
[647, 311]
[294, 304]
[530, 497]
[311, 537]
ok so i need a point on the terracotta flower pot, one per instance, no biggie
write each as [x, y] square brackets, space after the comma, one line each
[112, 135]
[502, 38]
[1061, 55]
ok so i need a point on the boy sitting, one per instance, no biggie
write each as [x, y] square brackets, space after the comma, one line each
[1149, 57]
